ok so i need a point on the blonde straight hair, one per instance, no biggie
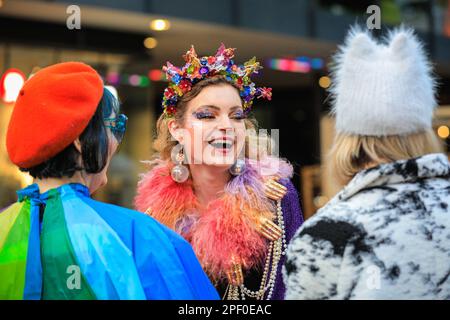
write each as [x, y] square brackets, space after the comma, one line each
[350, 154]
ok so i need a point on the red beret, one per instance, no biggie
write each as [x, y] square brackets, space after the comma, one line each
[52, 110]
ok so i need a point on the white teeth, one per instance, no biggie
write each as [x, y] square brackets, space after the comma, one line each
[221, 144]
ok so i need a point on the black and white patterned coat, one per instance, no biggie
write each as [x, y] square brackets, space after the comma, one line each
[386, 235]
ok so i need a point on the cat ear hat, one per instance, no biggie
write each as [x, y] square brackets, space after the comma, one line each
[382, 88]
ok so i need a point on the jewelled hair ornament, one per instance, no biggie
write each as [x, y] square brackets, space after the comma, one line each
[196, 69]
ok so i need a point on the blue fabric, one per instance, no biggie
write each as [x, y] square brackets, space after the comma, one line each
[103, 258]
[33, 273]
[166, 263]
[124, 254]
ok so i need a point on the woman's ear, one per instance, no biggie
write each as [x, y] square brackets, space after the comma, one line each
[175, 130]
[77, 144]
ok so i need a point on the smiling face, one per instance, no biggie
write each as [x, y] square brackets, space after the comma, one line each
[213, 127]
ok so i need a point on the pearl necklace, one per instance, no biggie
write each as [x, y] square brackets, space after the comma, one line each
[276, 249]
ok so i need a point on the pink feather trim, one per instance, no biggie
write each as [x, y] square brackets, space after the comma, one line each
[272, 166]
[228, 227]
[223, 232]
[162, 198]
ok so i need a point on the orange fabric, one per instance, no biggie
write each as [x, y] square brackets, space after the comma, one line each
[52, 110]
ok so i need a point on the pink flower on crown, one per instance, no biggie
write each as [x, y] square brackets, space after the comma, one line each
[265, 93]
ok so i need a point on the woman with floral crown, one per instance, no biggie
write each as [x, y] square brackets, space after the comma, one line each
[233, 202]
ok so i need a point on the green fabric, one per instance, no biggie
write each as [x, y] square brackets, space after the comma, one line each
[15, 230]
[58, 255]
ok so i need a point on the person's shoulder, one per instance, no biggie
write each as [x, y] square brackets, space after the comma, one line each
[141, 222]
[334, 223]
[291, 189]
[10, 207]
[156, 185]
[287, 183]
[277, 169]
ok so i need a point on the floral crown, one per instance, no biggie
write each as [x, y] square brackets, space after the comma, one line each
[197, 69]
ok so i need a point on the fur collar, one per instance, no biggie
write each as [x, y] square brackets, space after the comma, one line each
[226, 229]
[427, 166]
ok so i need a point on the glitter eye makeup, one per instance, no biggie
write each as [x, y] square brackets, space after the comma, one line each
[238, 115]
[202, 114]
[208, 114]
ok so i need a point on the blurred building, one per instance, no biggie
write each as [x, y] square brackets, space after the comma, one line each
[128, 41]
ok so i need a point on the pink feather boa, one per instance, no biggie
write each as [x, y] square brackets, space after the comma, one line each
[227, 227]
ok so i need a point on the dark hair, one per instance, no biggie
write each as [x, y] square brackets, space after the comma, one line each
[94, 146]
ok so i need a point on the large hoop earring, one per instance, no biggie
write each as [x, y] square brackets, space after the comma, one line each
[179, 172]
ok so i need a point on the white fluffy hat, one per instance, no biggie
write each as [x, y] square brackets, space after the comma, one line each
[381, 89]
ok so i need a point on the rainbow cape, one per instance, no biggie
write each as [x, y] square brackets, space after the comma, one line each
[62, 244]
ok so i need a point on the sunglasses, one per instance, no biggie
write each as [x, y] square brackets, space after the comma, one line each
[117, 125]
